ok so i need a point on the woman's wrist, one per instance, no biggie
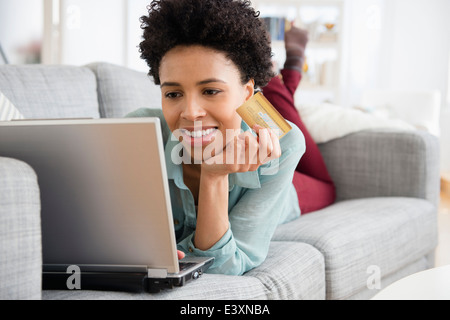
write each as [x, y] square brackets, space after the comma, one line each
[212, 176]
[212, 215]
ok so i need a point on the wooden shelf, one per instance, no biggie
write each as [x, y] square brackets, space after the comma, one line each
[445, 184]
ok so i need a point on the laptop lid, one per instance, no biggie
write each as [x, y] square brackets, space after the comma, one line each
[104, 189]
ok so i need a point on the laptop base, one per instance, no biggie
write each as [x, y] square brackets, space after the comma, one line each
[125, 278]
[95, 281]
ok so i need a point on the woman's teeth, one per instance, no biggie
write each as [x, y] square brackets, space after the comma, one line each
[199, 133]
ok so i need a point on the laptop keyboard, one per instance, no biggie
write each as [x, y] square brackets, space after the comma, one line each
[186, 265]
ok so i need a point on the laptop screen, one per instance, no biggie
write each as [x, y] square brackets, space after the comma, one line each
[104, 191]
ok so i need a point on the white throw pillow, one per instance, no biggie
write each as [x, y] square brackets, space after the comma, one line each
[326, 121]
[7, 110]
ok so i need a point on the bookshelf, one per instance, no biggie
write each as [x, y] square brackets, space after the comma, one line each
[324, 21]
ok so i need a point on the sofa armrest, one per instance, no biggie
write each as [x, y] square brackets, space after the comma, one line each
[379, 163]
[20, 231]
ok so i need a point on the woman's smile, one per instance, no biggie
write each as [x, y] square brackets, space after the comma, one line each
[199, 136]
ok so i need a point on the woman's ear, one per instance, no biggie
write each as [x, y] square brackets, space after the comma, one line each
[249, 89]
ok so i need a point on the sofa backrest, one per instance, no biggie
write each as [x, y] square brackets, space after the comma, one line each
[43, 91]
[92, 91]
[122, 90]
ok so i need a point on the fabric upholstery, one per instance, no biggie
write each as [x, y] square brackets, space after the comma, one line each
[384, 163]
[7, 110]
[416, 266]
[50, 91]
[352, 235]
[291, 271]
[122, 90]
[20, 231]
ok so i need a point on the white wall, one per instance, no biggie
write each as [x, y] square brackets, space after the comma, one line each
[20, 28]
[362, 50]
[401, 45]
[93, 31]
[398, 45]
[100, 30]
[419, 45]
[136, 9]
[419, 55]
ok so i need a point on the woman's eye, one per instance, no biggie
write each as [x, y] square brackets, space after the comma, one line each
[211, 92]
[172, 95]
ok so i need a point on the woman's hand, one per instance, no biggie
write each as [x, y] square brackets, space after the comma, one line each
[180, 254]
[245, 153]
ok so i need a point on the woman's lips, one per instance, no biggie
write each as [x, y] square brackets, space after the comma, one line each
[198, 137]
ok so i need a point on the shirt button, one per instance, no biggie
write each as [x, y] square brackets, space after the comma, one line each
[176, 222]
[190, 249]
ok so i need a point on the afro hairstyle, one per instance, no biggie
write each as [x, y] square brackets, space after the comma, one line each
[232, 27]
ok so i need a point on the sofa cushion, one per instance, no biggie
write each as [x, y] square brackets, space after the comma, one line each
[357, 237]
[40, 91]
[290, 271]
[122, 90]
[20, 231]
[326, 121]
[414, 267]
[384, 163]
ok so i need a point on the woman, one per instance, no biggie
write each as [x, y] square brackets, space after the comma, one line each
[208, 56]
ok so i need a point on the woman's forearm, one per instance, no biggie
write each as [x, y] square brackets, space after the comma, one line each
[212, 215]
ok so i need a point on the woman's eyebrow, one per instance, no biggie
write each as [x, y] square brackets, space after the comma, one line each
[209, 81]
[176, 84]
[170, 84]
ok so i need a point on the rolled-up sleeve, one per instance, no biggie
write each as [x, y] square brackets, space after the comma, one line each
[221, 250]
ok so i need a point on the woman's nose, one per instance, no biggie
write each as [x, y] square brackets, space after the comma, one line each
[193, 110]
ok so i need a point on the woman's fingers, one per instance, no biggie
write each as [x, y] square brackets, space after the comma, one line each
[269, 144]
[266, 145]
[276, 147]
[245, 152]
[180, 254]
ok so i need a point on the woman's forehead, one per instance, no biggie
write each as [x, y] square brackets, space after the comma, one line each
[196, 61]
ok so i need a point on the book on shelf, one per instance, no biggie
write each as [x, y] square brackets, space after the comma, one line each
[276, 27]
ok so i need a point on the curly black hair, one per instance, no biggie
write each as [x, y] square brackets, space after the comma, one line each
[229, 26]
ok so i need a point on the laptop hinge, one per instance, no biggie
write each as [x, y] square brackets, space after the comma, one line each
[157, 273]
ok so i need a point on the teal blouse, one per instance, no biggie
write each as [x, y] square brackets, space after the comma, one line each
[258, 202]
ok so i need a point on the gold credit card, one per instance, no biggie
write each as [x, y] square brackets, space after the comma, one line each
[258, 110]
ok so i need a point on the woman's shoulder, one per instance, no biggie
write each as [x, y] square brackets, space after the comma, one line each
[145, 112]
[292, 149]
[293, 140]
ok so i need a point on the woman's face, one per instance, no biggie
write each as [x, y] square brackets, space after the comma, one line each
[201, 90]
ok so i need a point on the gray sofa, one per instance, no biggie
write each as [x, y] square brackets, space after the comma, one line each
[382, 227]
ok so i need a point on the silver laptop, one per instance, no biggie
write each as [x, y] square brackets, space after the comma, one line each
[105, 203]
